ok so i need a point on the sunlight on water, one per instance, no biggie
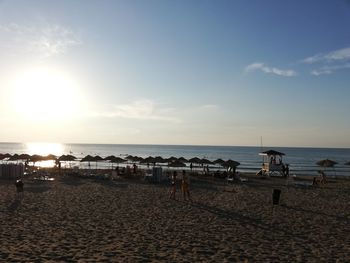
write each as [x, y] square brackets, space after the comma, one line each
[45, 148]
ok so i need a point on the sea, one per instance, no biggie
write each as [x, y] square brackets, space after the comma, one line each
[302, 161]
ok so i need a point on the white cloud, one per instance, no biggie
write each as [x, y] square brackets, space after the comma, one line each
[336, 55]
[329, 69]
[270, 70]
[44, 41]
[141, 110]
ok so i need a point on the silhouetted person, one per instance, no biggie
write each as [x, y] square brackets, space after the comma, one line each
[287, 170]
[173, 186]
[185, 186]
[19, 187]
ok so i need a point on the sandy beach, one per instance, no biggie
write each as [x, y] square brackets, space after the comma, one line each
[129, 220]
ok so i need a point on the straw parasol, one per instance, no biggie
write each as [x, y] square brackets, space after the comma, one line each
[182, 159]
[109, 158]
[67, 158]
[149, 159]
[4, 156]
[14, 157]
[176, 163]
[159, 159]
[171, 159]
[114, 159]
[194, 160]
[219, 161]
[326, 163]
[206, 161]
[231, 164]
[97, 159]
[88, 158]
[24, 156]
[50, 157]
[35, 158]
[19, 157]
[272, 153]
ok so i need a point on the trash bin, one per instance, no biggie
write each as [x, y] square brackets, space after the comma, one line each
[276, 196]
[19, 186]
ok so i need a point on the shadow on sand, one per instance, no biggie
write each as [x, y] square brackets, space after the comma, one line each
[15, 204]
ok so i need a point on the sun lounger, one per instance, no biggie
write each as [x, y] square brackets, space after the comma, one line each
[302, 183]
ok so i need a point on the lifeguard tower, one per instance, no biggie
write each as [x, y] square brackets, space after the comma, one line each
[272, 163]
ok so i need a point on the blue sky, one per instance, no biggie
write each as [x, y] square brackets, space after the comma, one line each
[176, 72]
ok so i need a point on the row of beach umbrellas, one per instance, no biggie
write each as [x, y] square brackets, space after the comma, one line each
[172, 161]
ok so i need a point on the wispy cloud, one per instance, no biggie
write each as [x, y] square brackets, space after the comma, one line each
[270, 70]
[329, 69]
[43, 41]
[336, 55]
[142, 109]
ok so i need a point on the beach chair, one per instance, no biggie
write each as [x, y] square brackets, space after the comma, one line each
[230, 178]
[148, 176]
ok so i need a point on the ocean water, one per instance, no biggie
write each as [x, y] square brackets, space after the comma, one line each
[302, 161]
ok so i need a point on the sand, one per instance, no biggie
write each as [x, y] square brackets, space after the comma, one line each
[86, 220]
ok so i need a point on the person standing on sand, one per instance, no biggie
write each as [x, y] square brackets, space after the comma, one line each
[19, 187]
[173, 186]
[185, 186]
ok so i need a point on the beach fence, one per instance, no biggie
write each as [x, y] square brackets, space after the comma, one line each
[11, 171]
[157, 173]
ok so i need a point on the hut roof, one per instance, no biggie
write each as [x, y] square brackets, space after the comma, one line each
[271, 152]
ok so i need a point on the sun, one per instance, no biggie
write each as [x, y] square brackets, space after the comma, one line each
[43, 94]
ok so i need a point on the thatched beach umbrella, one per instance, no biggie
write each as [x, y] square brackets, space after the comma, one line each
[182, 159]
[129, 157]
[115, 159]
[176, 163]
[231, 164]
[194, 160]
[50, 157]
[219, 161]
[24, 156]
[272, 153]
[67, 158]
[97, 159]
[4, 156]
[109, 158]
[326, 163]
[35, 158]
[159, 159]
[205, 161]
[171, 159]
[87, 158]
[149, 159]
[14, 157]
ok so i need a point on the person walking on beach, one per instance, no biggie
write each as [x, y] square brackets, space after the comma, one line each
[173, 186]
[185, 186]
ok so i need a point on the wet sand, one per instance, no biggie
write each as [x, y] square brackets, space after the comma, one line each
[86, 220]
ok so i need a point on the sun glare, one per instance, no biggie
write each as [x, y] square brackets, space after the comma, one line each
[45, 95]
[44, 148]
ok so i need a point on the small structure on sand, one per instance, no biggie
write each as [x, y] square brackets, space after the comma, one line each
[272, 164]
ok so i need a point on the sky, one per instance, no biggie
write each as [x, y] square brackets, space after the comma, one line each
[176, 72]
